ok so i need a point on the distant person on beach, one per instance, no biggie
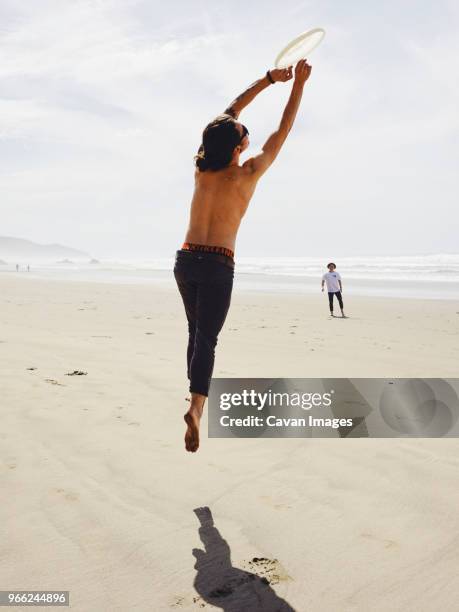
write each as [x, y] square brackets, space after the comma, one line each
[17, 267]
[204, 266]
[334, 287]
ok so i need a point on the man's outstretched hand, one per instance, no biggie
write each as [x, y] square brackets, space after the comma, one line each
[302, 71]
[281, 74]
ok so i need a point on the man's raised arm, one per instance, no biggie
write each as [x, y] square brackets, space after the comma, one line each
[260, 163]
[253, 90]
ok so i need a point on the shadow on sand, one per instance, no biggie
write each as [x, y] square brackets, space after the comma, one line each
[224, 586]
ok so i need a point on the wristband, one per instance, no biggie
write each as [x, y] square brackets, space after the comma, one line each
[270, 78]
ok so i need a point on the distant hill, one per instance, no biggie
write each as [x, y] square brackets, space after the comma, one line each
[19, 248]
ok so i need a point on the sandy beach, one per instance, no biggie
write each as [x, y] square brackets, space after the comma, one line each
[101, 499]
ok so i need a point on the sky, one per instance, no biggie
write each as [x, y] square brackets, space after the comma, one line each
[103, 102]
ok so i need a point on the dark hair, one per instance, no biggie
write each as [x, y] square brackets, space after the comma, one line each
[219, 139]
[331, 264]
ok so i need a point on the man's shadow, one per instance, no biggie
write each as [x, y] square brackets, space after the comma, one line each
[224, 586]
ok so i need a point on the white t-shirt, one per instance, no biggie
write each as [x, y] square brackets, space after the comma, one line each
[332, 278]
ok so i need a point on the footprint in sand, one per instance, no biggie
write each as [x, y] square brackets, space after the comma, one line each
[217, 467]
[269, 570]
[387, 543]
[178, 602]
[69, 520]
[276, 505]
[54, 382]
[68, 495]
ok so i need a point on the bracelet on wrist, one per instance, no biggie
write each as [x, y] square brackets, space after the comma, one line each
[270, 78]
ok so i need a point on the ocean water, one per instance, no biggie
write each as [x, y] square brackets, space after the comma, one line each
[420, 276]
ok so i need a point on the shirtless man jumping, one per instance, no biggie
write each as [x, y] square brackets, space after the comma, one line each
[204, 266]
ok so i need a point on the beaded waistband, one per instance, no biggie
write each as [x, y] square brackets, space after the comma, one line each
[207, 248]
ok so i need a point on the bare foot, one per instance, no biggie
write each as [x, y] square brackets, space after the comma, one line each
[192, 419]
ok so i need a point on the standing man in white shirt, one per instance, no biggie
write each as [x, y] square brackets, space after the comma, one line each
[334, 287]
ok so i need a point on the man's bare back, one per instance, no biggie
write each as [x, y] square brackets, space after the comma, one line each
[219, 202]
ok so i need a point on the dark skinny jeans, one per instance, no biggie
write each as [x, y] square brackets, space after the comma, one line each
[205, 282]
[330, 299]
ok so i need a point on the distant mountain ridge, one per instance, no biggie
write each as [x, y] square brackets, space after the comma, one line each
[21, 248]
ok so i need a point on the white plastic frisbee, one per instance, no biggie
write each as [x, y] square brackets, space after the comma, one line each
[299, 48]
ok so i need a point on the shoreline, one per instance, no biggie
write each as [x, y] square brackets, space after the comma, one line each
[259, 284]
